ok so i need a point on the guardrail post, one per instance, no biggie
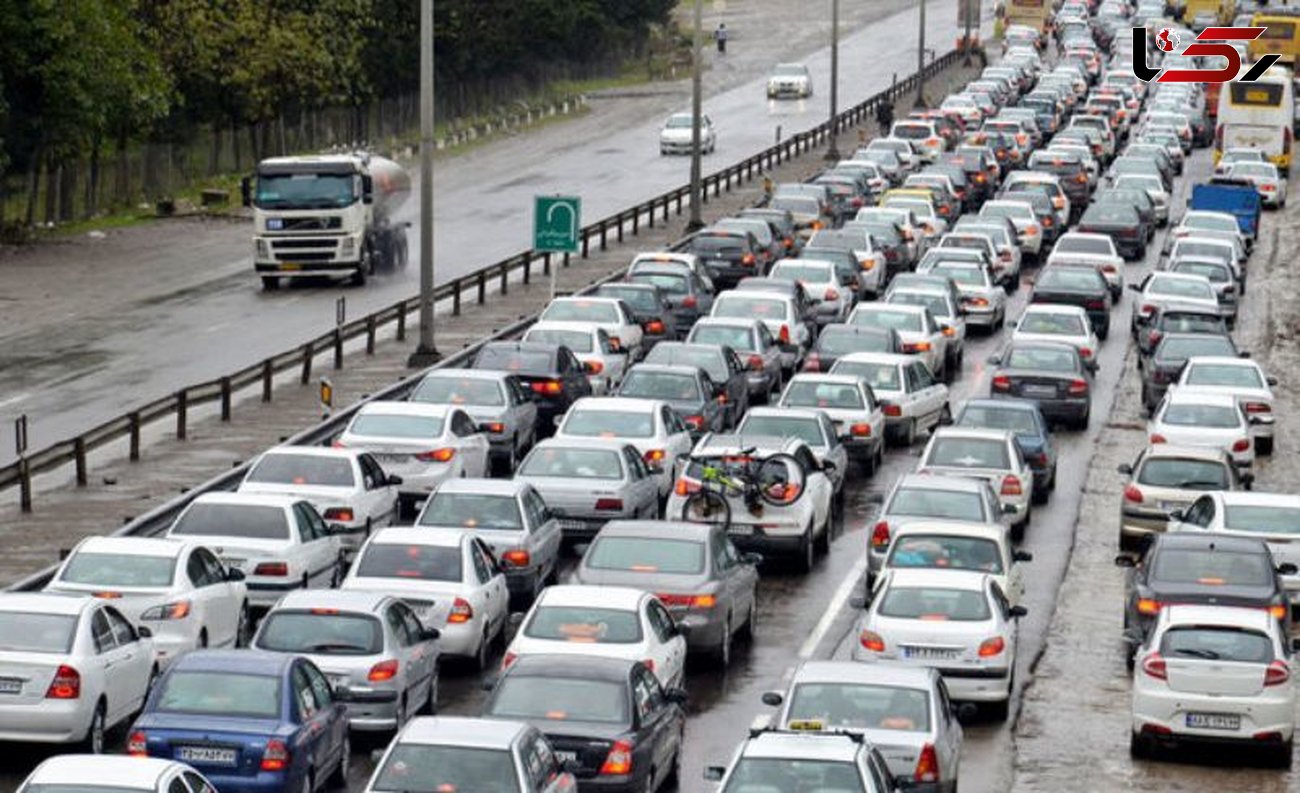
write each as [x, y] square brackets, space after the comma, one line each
[482, 287]
[679, 205]
[306, 363]
[636, 221]
[505, 279]
[455, 297]
[528, 268]
[24, 485]
[268, 372]
[604, 236]
[586, 243]
[79, 457]
[182, 410]
[717, 185]
[620, 226]
[566, 260]
[338, 348]
[133, 433]
[546, 264]
[225, 398]
[370, 334]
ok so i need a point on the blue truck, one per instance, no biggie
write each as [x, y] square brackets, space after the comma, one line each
[1234, 196]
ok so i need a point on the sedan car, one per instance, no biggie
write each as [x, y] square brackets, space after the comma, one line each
[1267, 179]
[836, 341]
[502, 404]
[678, 135]
[1163, 288]
[1166, 478]
[924, 497]
[609, 313]
[70, 772]
[1077, 286]
[910, 397]
[1241, 377]
[831, 296]
[960, 545]
[991, 455]
[1048, 322]
[1051, 374]
[1032, 431]
[983, 300]
[708, 587]
[603, 622]
[726, 255]
[1169, 355]
[688, 296]
[726, 372]
[251, 722]
[779, 315]
[367, 642]
[753, 343]
[1214, 421]
[551, 375]
[1095, 249]
[658, 432]
[810, 759]
[71, 669]
[180, 590]
[586, 482]
[423, 444]
[850, 404]
[590, 344]
[917, 327]
[687, 389]
[651, 306]
[957, 622]
[609, 718]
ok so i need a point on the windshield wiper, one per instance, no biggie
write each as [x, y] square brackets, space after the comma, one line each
[325, 647]
[1204, 483]
[1208, 655]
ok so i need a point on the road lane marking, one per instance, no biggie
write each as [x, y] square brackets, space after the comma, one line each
[15, 398]
[838, 601]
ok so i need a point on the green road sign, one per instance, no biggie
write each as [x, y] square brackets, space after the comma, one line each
[557, 221]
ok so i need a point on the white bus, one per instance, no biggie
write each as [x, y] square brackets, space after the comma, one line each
[1258, 115]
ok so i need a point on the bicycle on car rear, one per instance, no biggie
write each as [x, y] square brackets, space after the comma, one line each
[776, 479]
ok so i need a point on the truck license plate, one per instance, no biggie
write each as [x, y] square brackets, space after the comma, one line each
[1214, 721]
[290, 266]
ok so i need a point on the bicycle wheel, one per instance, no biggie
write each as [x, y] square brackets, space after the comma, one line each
[781, 480]
[707, 506]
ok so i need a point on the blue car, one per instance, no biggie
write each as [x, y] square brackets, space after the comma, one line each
[250, 721]
[1033, 435]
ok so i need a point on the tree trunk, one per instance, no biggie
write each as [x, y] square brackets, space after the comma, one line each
[52, 173]
[68, 172]
[122, 177]
[234, 147]
[92, 184]
[214, 154]
[252, 143]
[284, 141]
[33, 186]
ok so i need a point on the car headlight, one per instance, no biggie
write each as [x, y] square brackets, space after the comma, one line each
[348, 247]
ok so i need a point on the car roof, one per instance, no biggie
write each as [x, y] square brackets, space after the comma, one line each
[725, 443]
[657, 529]
[1199, 397]
[247, 499]
[971, 580]
[1054, 308]
[1213, 541]
[829, 379]
[617, 404]
[728, 322]
[134, 546]
[522, 346]
[586, 299]
[483, 487]
[449, 537]
[342, 599]
[856, 672]
[475, 374]
[1023, 405]
[987, 531]
[581, 327]
[461, 731]
[313, 451]
[582, 442]
[802, 746]
[893, 358]
[1224, 360]
[1228, 616]
[1169, 450]
[615, 597]
[931, 482]
[243, 661]
[783, 412]
[394, 408]
[893, 308]
[663, 368]
[123, 770]
[1255, 498]
[587, 667]
[984, 433]
[45, 602]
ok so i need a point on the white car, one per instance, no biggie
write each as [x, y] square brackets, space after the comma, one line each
[923, 135]
[921, 333]
[677, 136]
[116, 773]
[789, 80]
[1035, 180]
[873, 265]
[1215, 673]
[911, 398]
[424, 444]
[902, 149]
[991, 455]
[1164, 288]
[590, 344]
[606, 622]
[448, 577]
[1059, 323]
[982, 298]
[348, 487]
[1241, 377]
[1237, 154]
[1187, 417]
[180, 590]
[1096, 249]
[947, 312]
[951, 545]
[651, 425]
[610, 313]
[279, 543]
[777, 312]
[848, 401]
[958, 622]
[1267, 179]
[71, 669]
[832, 300]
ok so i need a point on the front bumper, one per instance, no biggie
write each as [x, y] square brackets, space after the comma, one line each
[307, 269]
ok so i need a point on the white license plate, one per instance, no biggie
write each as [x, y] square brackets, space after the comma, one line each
[567, 757]
[741, 528]
[932, 653]
[1040, 391]
[10, 685]
[206, 754]
[1214, 721]
[228, 562]
[337, 680]
[392, 458]
[1170, 506]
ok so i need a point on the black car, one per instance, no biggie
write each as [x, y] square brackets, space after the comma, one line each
[887, 238]
[1076, 286]
[1051, 374]
[688, 389]
[726, 371]
[1070, 171]
[608, 718]
[839, 340]
[1200, 568]
[689, 297]
[1166, 361]
[650, 307]
[1121, 223]
[728, 255]
[1173, 318]
[1138, 199]
[1044, 212]
[782, 223]
[551, 372]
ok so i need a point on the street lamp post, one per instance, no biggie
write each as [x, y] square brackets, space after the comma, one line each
[920, 60]
[426, 354]
[697, 47]
[832, 151]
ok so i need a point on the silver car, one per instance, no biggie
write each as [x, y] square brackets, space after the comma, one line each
[588, 481]
[498, 401]
[370, 642]
[512, 518]
[709, 587]
[917, 497]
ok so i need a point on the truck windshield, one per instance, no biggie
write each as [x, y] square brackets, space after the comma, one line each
[305, 191]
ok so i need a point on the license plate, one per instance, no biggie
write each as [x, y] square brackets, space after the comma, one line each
[575, 525]
[392, 458]
[741, 528]
[1040, 390]
[567, 757]
[228, 562]
[337, 680]
[1214, 721]
[928, 653]
[10, 685]
[206, 754]
[290, 266]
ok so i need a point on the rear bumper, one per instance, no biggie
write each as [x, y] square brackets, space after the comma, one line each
[45, 721]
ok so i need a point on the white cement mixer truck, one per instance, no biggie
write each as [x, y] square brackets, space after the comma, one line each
[330, 216]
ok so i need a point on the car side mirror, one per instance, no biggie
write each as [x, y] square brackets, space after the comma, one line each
[1016, 612]
[1022, 556]
[430, 634]
[394, 480]
[829, 466]
[1125, 469]
[558, 420]
[1271, 380]
[996, 360]
[1008, 509]
[234, 574]
[1125, 560]
[714, 773]
[342, 694]
[367, 189]
[773, 698]
[858, 602]
[589, 367]
[1243, 354]
[1247, 479]
[1288, 568]
[751, 558]
[144, 632]
[677, 696]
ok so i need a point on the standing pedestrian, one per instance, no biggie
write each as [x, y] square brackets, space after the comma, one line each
[720, 36]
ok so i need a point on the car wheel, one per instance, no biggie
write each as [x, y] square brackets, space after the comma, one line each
[336, 578]
[823, 543]
[674, 778]
[722, 654]
[1263, 445]
[339, 779]
[751, 620]
[484, 651]
[909, 434]
[93, 743]
[806, 551]
[307, 785]
[431, 704]
[244, 631]
[203, 639]
[270, 283]
[1138, 746]
[1000, 711]
[1282, 756]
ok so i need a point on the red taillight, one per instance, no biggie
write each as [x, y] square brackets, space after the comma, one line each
[813, 363]
[384, 670]
[920, 346]
[138, 744]
[831, 294]
[1132, 494]
[1149, 607]
[517, 557]
[596, 367]
[880, 535]
[619, 760]
[1158, 438]
[690, 301]
[344, 514]
[553, 387]
[65, 685]
[1147, 309]
[1078, 388]
[436, 455]
[1155, 666]
[1048, 222]
[756, 363]
[871, 641]
[609, 505]
[927, 765]
[1278, 611]
[494, 427]
[653, 456]
[991, 647]
[694, 422]
[893, 411]
[1001, 383]
[977, 302]
[1258, 407]
[1081, 179]
[685, 487]
[748, 260]
[461, 612]
[1153, 338]
[1095, 304]
[278, 569]
[507, 660]
[1011, 486]
[654, 326]
[689, 601]
[1242, 445]
[276, 756]
[860, 430]
[649, 664]
[784, 335]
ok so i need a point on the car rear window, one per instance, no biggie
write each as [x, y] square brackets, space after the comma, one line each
[1044, 322]
[1172, 349]
[1191, 323]
[320, 632]
[472, 511]
[1215, 273]
[934, 603]
[1076, 244]
[756, 775]
[445, 390]
[660, 385]
[584, 625]
[573, 463]
[880, 376]
[934, 503]
[946, 551]
[642, 299]
[559, 699]
[576, 340]
[898, 320]
[807, 430]
[855, 705]
[844, 342]
[1178, 472]
[960, 274]
[735, 338]
[1217, 643]
[505, 359]
[581, 311]
[734, 306]
[303, 469]
[1044, 358]
[937, 304]
[424, 766]
[711, 361]
[220, 694]
[672, 284]
[232, 520]
[1178, 287]
[1218, 374]
[645, 555]
[969, 453]
[998, 418]
[1071, 278]
[126, 570]
[1212, 567]
[409, 560]
[822, 395]
[1259, 518]
[27, 632]
[395, 425]
[804, 273]
[609, 423]
[1194, 415]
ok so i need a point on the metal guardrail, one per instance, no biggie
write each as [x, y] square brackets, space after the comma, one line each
[472, 286]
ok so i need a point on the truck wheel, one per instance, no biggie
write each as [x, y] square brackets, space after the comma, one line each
[270, 283]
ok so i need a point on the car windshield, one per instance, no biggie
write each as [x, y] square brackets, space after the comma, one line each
[660, 385]
[395, 425]
[736, 338]
[813, 394]
[681, 122]
[969, 453]
[1180, 287]
[1218, 374]
[584, 625]
[581, 311]
[1185, 473]
[1190, 414]
[591, 423]
[880, 376]
[1073, 243]
[219, 694]
[1212, 567]
[1204, 344]
[672, 284]
[934, 604]
[1017, 420]
[1047, 322]
[472, 511]
[767, 775]
[232, 520]
[735, 306]
[573, 463]
[127, 570]
[805, 429]
[912, 131]
[1072, 278]
[645, 555]
[305, 191]
[559, 699]
[409, 560]
[27, 632]
[510, 359]
[303, 469]
[860, 706]
[842, 341]
[1042, 358]
[924, 502]
[1217, 643]
[948, 552]
[1261, 518]
[576, 340]
[884, 318]
[322, 631]
[420, 767]
[444, 390]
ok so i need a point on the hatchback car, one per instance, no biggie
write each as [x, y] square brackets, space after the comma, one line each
[1243, 378]
[586, 482]
[590, 344]
[504, 406]
[755, 346]
[1166, 478]
[1213, 421]
[925, 497]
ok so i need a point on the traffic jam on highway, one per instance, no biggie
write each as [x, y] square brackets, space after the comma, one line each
[587, 517]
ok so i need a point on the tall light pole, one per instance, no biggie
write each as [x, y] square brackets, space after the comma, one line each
[697, 116]
[920, 60]
[967, 7]
[426, 354]
[832, 151]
